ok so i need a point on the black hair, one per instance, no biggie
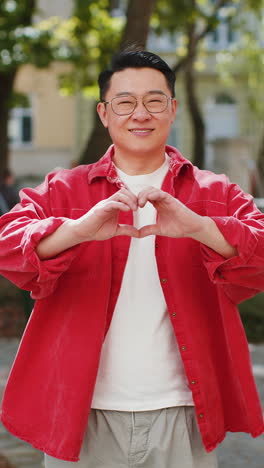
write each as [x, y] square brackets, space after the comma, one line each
[130, 58]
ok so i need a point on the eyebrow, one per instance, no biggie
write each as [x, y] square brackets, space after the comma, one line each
[128, 93]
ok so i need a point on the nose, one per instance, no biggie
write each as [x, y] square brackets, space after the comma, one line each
[141, 113]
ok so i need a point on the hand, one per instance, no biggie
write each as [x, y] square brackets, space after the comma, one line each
[176, 220]
[173, 218]
[101, 222]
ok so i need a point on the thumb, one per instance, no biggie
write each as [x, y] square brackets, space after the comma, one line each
[151, 229]
[126, 230]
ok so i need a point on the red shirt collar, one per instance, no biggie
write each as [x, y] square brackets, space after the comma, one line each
[105, 167]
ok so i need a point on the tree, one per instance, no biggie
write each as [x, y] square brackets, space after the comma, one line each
[20, 43]
[137, 23]
[245, 59]
[86, 40]
[89, 38]
[11, 15]
[193, 20]
[168, 16]
[78, 40]
[135, 32]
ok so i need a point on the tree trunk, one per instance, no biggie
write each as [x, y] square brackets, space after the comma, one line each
[98, 142]
[136, 32]
[198, 150]
[137, 25]
[6, 88]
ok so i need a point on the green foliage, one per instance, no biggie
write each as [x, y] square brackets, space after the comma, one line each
[252, 314]
[246, 59]
[255, 6]
[191, 21]
[90, 37]
[20, 42]
[19, 100]
[9, 293]
[86, 40]
[171, 15]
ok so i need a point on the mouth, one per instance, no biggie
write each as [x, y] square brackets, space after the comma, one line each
[141, 131]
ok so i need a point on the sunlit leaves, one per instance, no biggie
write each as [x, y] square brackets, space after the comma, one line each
[245, 59]
[20, 42]
[9, 6]
[87, 39]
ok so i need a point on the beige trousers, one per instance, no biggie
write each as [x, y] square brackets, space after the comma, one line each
[164, 438]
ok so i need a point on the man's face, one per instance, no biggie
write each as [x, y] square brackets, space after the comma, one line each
[140, 132]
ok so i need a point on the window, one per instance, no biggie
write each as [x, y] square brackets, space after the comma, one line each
[20, 122]
[221, 117]
[175, 132]
[223, 35]
[118, 8]
[223, 98]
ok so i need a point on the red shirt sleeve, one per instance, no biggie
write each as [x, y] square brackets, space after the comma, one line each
[20, 232]
[241, 276]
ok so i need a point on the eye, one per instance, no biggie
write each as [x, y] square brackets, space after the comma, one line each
[124, 101]
[154, 99]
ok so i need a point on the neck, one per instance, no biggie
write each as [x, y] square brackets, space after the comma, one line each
[138, 164]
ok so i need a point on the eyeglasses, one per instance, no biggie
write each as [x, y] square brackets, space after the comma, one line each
[125, 105]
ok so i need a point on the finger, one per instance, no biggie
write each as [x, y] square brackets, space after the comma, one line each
[143, 196]
[125, 196]
[126, 230]
[152, 196]
[116, 205]
[151, 229]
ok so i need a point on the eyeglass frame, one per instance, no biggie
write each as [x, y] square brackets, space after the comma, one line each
[169, 98]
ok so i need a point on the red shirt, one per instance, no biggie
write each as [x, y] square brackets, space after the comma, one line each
[49, 392]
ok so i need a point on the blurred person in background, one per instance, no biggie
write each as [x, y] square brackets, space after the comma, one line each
[7, 188]
[8, 199]
[135, 354]
[3, 205]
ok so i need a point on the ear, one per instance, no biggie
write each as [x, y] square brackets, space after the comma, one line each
[174, 106]
[101, 109]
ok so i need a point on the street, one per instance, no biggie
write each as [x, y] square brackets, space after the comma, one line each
[237, 451]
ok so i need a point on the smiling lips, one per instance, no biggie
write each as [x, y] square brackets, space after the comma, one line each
[141, 131]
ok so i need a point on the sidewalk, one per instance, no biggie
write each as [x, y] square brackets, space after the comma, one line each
[241, 450]
[237, 450]
[19, 453]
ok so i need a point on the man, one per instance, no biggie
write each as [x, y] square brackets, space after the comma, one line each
[3, 205]
[134, 354]
[7, 189]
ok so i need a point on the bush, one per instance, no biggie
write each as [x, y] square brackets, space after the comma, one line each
[16, 305]
[12, 309]
[252, 314]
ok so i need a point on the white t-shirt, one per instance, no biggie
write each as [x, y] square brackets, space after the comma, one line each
[140, 365]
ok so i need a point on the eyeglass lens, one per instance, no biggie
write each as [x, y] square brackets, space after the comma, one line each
[154, 103]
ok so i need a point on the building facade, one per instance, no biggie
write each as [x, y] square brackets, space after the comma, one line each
[52, 129]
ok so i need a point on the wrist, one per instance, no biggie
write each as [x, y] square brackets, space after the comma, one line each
[211, 236]
[73, 232]
[206, 224]
[61, 239]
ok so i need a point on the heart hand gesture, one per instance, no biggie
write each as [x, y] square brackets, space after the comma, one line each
[173, 218]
